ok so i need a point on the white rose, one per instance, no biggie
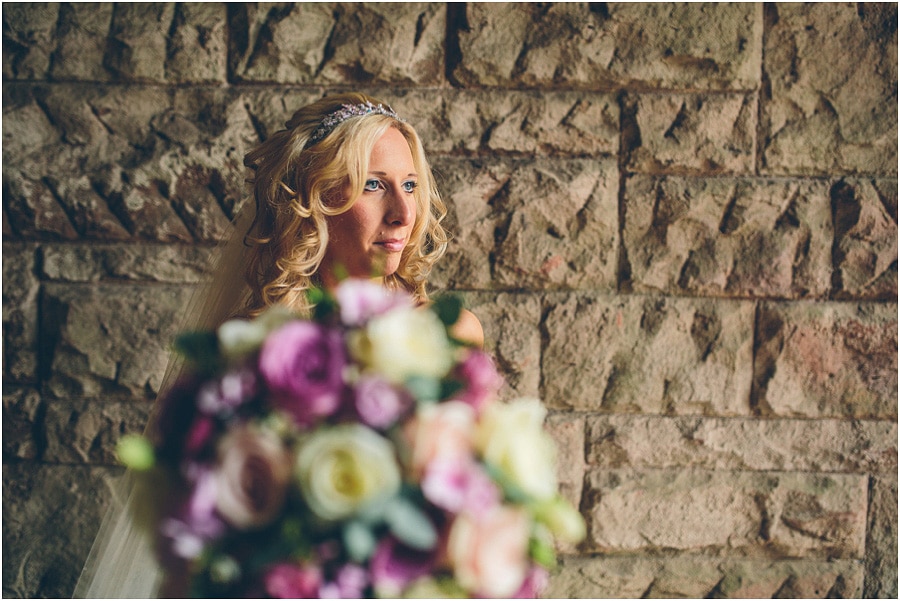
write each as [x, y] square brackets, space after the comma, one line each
[240, 337]
[511, 437]
[343, 469]
[404, 342]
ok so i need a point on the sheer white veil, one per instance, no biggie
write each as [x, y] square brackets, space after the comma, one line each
[122, 563]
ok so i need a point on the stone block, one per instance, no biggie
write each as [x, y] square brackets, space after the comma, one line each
[829, 110]
[27, 127]
[728, 237]
[29, 31]
[22, 416]
[90, 213]
[698, 577]
[81, 37]
[506, 238]
[137, 46]
[632, 354]
[791, 515]
[87, 431]
[50, 516]
[636, 441]
[108, 340]
[20, 313]
[197, 47]
[881, 541]
[543, 123]
[512, 336]
[605, 46]
[703, 135]
[826, 360]
[339, 43]
[131, 262]
[865, 239]
[568, 432]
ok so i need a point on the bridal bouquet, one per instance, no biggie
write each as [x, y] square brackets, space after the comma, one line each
[358, 453]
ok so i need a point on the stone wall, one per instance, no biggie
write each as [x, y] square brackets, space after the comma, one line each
[678, 224]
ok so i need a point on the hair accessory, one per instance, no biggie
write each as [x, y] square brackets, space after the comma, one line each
[345, 112]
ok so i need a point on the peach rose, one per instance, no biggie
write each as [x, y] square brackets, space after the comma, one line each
[441, 431]
[489, 553]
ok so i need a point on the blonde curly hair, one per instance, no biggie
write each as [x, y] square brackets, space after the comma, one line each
[297, 188]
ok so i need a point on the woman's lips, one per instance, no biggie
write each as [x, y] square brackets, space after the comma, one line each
[392, 245]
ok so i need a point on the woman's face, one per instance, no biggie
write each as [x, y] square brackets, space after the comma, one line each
[367, 240]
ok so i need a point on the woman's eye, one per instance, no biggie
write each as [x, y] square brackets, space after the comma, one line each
[371, 185]
[410, 186]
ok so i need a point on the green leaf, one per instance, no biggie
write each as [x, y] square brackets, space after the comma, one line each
[424, 388]
[199, 348]
[410, 524]
[448, 308]
[359, 541]
[135, 452]
[542, 552]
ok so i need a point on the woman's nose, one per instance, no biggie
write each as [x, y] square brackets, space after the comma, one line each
[401, 209]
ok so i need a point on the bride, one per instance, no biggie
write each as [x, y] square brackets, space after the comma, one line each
[344, 188]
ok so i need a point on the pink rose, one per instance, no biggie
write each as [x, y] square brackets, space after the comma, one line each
[480, 378]
[489, 553]
[379, 403]
[292, 581]
[460, 486]
[350, 583]
[395, 566]
[302, 363]
[535, 582]
[361, 300]
[441, 431]
[252, 476]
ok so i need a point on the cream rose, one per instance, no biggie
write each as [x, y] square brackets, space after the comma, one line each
[489, 554]
[252, 475]
[511, 437]
[404, 342]
[343, 469]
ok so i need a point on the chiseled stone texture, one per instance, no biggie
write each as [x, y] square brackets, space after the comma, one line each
[610, 44]
[86, 432]
[101, 262]
[637, 441]
[20, 312]
[618, 354]
[50, 517]
[728, 237]
[29, 30]
[692, 134]
[826, 360]
[832, 71]
[697, 577]
[865, 234]
[22, 417]
[513, 337]
[568, 432]
[97, 353]
[543, 123]
[881, 542]
[342, 42]
[791, 515]
[570, 242]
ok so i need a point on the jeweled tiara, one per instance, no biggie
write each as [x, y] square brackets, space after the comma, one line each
[345, 112]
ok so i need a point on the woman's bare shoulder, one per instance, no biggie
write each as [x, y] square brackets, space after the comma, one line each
[468, 329]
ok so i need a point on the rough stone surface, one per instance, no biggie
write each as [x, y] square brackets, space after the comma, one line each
[728, 237]
[829, 110]
[20, 313]
[826, 360]
[570, 242]
[157, 263]
[568, 432]
[82, 31]
[865, 239]
[823, 446]
[95, 352]
[881, 543]
[614, 354]
[338, 43]
[28, 39]
[605, 45]
[693, 134]
[22, 415]
[698, 577]
[86, 432]
[739, 513]
[50, 516]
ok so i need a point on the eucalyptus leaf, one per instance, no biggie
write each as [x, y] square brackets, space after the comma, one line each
[424, 388]
[410, 524]
[448, 309]
[199, 348]
[359, 541]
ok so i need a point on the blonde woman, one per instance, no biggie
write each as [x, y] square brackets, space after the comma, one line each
[344, 190]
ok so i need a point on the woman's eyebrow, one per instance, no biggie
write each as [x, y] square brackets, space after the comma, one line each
[382, 173]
